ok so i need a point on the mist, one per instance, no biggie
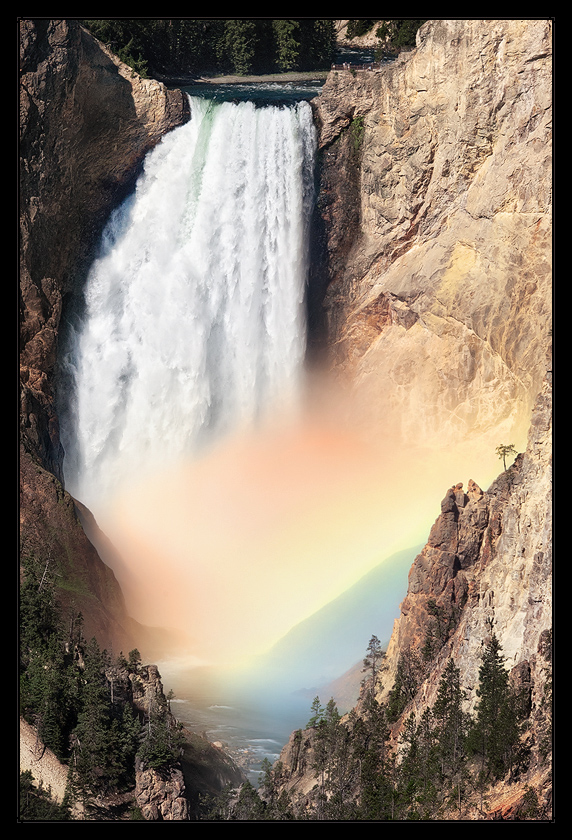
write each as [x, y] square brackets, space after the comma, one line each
[233, 549]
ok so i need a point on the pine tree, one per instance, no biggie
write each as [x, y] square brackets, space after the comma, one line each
[317, 714]
[370, 738]
[430, 776]
[96, 761]
[407, 677]
[248, 806]
[407, 777]
[48, 678]
[241, 38]
[371, 663]
[162, 739]
[495, 732]
[450, 720]
[504, 450]
[343, 772]
[451, 726]
[286, 33]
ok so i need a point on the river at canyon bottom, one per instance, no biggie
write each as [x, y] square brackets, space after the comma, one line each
[251, 721]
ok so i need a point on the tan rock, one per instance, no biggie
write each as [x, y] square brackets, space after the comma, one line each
[160, 796]
[454, 222]
[46, 769]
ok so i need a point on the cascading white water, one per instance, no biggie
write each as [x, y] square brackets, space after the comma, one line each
[194, 317]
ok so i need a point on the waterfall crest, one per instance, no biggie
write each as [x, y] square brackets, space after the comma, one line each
[193, 322]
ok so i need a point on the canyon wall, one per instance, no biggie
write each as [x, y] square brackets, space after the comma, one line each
[439, 291]
[436, 203]
[86, 122]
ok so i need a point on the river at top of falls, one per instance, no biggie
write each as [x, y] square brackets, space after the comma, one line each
[192, 322]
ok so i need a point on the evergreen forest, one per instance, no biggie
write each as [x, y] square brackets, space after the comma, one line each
[445, 761]
[184, 47]
[187, 46]
[82, 704]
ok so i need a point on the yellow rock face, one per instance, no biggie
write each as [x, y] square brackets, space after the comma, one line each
[455, 229]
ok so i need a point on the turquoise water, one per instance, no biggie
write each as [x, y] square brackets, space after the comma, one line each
[263, 93]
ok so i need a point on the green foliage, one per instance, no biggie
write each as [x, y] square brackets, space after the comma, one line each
[407, 678]
[134, 661]
[444, 622]
[357, 129]
[36, 803]
[105, 738]
[216, 807]
[184, 47]
[357, 28]
[248, 806]
[530, 808]
[335, 767]
[451, 722]
[369, 737]
[504, 451]
[66, 694]
[127, 38]
[49, 687]
[399, 34]
[39, 612]
[130, 56]
[444, 757]
[162, 742]
[417, 788]
[288, 45]
[317, 714]
[240, 44]
[372, 663]
[405, 32]
[495, 732]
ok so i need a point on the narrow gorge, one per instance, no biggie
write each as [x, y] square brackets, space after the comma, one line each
[260, 344]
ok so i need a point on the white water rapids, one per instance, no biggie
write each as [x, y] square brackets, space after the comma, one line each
[194, 316]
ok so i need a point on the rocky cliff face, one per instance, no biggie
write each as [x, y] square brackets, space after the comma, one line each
[86, 122]
[436, 200]
[487, 568]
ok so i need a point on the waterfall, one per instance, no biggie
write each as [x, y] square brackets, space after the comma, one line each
[193, 318]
